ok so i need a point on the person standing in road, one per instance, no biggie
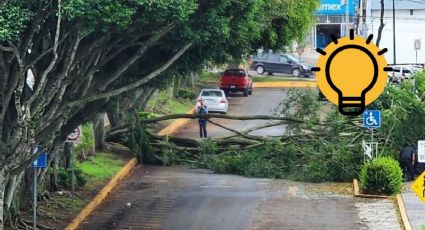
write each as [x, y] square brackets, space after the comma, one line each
[202, 109]
[407, 161]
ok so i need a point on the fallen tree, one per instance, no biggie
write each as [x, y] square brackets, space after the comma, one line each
[319, 143]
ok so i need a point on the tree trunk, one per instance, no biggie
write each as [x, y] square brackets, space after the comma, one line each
[68, 154]
[54, 177]
[3, 181]
[12, 194]
[381, 24]
[99, 132]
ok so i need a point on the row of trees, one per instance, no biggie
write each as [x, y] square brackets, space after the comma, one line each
[89, 57]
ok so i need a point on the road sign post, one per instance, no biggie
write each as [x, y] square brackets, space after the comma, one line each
[74, 137]
[417, 48]
[371, 121]
[41, 162]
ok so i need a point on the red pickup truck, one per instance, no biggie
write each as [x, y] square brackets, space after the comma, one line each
[236, 80]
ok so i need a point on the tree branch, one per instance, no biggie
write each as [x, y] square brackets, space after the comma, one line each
[212, 115]
[6, 49]
[135, 84]
[133, 59]
[42, 81]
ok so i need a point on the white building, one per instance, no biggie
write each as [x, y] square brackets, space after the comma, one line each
[409, 27]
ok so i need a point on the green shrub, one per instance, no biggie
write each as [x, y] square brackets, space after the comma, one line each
[381, 175]
[65, 178]
[87, 139]
[231, 164]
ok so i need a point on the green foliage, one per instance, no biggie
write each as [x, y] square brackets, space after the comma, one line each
[381, 175]
[401, 107]
[87, 138]
[327, 156]
[139, 143]
[127, 13]
[316, 162]
[65, 178]
[164, 103]
[13, 19]
[186, 94]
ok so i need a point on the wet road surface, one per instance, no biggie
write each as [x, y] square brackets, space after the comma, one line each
[264, 101]
[193, 199]
[179, 198]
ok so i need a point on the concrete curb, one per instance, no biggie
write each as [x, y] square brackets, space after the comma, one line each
[285, 84]
[100, 197]
[400, 204]
[403, 213]
[97, 200]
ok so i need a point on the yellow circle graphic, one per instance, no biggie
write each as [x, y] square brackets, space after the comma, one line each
[351, 73]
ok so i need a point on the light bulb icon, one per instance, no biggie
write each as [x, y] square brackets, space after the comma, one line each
[354, 72]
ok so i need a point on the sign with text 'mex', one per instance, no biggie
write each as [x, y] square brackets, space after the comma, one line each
[336, 7]
[41, 162]
[371, 119]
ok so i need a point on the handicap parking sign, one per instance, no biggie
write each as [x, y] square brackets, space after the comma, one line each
[371, 119]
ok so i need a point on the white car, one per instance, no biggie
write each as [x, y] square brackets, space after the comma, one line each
[402, 72]
[215, 99]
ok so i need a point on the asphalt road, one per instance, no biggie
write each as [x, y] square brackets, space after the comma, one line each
[192, 199]
[264, 101]
[179, 198]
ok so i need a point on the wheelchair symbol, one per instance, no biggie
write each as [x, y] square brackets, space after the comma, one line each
[370, 120]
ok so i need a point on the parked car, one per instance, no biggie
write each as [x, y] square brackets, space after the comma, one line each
[215, 99]
[236, 80]
[280, 63]
[401, 72]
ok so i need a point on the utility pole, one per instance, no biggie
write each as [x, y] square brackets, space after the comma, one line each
[394, 51]
[347, 17]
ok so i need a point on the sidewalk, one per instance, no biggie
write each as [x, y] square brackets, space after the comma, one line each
[415, 208]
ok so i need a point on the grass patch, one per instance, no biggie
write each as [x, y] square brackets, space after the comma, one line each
[72, 204]
[101, 166]
[175, 106]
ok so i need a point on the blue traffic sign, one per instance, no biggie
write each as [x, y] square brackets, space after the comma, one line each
[41, 162]
[371, 119]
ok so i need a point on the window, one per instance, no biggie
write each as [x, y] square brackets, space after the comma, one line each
[274, 58]
[214, 93]
[406, 71]
[235, 72]
[283, 59]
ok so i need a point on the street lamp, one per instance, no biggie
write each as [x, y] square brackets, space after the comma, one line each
[394, 51]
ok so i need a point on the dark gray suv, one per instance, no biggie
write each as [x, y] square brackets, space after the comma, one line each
[280, 63]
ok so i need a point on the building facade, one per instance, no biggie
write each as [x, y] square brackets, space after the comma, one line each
[332, 19]
[409, 29]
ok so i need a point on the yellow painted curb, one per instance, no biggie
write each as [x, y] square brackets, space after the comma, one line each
[173, 127]
[285, 84]
[100, 197]
[97, 200]
[403, 213]
[400, 204]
